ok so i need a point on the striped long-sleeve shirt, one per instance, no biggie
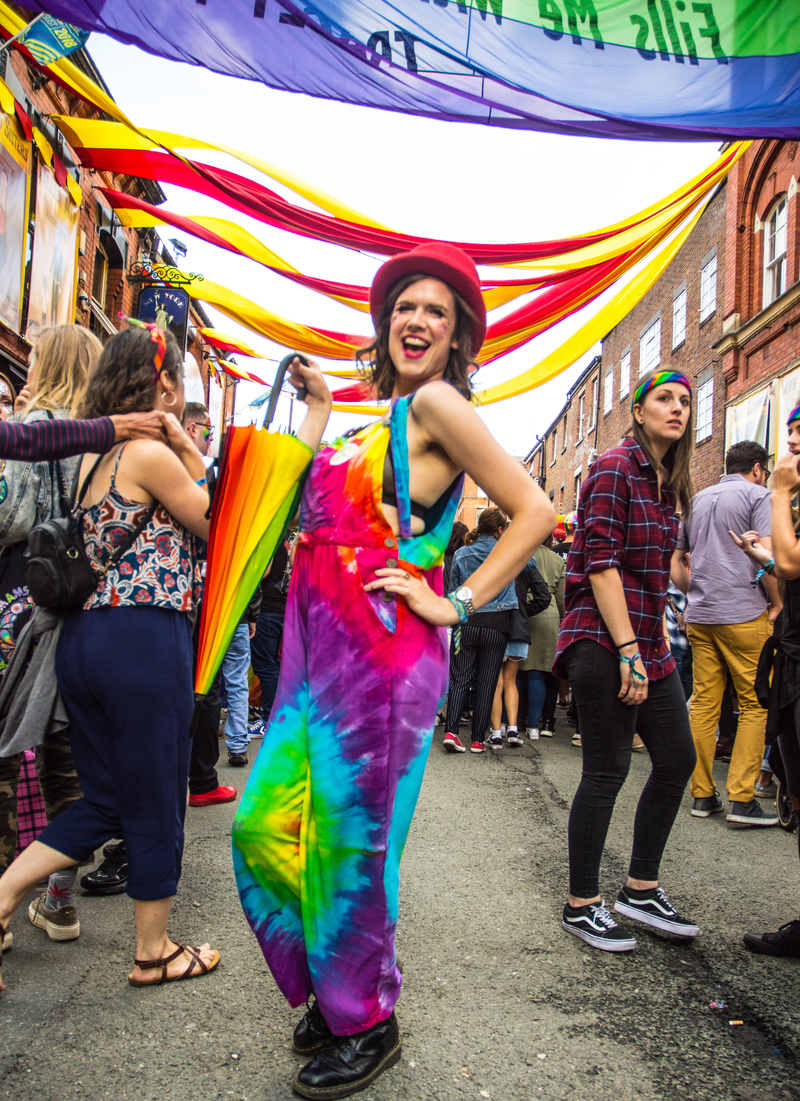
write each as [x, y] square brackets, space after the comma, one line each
[55, 439]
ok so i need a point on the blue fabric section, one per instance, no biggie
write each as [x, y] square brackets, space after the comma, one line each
[453, 61]
[235, 666]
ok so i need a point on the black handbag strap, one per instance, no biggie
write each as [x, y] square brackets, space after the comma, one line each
[129, 539]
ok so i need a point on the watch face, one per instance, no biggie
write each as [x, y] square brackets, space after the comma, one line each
[464, 593]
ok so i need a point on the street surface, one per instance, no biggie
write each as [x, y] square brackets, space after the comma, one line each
[498, 1003]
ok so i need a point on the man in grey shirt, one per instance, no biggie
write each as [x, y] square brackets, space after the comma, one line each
[728, 623]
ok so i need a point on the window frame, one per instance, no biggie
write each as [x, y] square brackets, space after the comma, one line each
[704, 403]
[680, 293]
[608, 392]
[581, 416]
[708, 304]
[625, 374]
[653, 325]
[779, 262]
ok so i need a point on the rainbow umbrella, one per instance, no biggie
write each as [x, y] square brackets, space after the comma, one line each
[260, 481]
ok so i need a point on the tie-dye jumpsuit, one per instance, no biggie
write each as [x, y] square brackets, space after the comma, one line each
[320, 831]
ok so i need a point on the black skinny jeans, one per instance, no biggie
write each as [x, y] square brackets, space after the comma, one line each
[480, 658]
[607, 727]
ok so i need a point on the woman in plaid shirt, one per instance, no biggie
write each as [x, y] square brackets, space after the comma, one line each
[612, 648]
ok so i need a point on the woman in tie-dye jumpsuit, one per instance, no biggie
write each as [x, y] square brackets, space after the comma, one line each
[320, 831]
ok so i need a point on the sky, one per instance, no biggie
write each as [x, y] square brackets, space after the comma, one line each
[446, 180]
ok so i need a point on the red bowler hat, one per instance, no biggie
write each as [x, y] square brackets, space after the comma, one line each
[442, 261]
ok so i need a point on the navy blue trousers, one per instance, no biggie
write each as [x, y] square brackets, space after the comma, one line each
[126, 678]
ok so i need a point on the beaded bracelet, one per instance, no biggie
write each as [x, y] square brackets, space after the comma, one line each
[762, 571]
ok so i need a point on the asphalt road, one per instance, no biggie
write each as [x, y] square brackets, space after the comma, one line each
[498, 1003]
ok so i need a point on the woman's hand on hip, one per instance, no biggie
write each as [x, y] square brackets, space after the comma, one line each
[418, 594]
[634, 687]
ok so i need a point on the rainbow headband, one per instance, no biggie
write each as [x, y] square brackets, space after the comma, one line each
[158, 338]
[659, 380]
[794, 415]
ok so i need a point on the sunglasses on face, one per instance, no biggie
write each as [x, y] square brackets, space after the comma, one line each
[208, 431]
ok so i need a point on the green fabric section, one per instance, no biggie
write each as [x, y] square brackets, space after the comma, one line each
[708, 28]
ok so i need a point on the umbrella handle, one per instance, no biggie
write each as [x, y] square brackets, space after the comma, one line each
[280, 374]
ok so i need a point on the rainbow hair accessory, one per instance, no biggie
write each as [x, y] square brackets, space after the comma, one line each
[158, 338]
[794, 415]
[659, 380]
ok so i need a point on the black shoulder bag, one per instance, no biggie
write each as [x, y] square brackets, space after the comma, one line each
[58, 573]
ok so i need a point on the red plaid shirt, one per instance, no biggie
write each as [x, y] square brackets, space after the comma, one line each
[622, 524]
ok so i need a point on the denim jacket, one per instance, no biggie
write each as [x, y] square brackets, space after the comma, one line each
[27, 493]
[466, 561]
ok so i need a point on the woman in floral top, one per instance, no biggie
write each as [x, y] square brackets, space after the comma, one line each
[124, 661]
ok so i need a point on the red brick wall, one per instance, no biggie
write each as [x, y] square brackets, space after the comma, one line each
[760, 343]
[693, 357]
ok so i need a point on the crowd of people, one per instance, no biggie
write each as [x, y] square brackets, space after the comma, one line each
[665, 598]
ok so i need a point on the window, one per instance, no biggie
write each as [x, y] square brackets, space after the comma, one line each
[775, 253]
[650, 348]
[679, 318]
[100, 278]
[595, 384]
[608, 394]
[705, 407]
[577, 489]
[564, 439]
[625, 376]
[555, 443]
[581, 415]
[708, 288]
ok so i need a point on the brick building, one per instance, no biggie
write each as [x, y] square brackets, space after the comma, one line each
[561, 459]
[675, 326]
[53, 289]
[759, 345]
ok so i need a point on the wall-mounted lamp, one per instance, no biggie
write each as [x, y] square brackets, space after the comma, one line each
[83, 303]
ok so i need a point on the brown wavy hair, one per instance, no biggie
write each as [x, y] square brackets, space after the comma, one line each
[490, 521]
[123, 380]
[675, 467]
[65, 357]
[376, 364]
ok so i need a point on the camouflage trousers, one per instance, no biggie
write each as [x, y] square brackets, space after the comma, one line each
[58, 781]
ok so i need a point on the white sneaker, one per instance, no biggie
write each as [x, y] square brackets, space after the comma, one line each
[533, 733]
[495, 740]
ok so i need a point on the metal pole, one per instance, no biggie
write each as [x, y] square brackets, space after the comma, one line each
[19, 34]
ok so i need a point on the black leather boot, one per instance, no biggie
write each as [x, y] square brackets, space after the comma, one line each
[111, 878]
[312, 1033]
[352, 1065]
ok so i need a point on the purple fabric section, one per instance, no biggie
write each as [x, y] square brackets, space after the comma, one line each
[457, 63]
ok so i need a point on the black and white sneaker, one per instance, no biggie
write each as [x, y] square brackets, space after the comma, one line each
[595, 925]
[752, 814]
[655, 909]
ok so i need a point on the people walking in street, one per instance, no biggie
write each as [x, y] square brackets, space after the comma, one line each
[612, 648]
[265, 645]
[478, 647]
[364, 668]
[63, 358]
[728, 623]
[205, 790]
[781, 692]
[537, 666]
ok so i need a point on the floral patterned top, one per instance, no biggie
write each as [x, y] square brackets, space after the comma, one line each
[159, 570]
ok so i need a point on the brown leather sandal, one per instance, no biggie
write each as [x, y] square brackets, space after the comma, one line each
[189, 973]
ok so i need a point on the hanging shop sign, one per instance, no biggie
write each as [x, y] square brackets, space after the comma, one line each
[54, 268]
[15, 172]
[167, 307]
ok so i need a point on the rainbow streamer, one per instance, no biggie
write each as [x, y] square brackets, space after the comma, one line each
[258, 490]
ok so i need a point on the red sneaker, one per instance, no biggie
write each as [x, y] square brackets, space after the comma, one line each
[453, 744]
[219, 794]
[477, 747]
